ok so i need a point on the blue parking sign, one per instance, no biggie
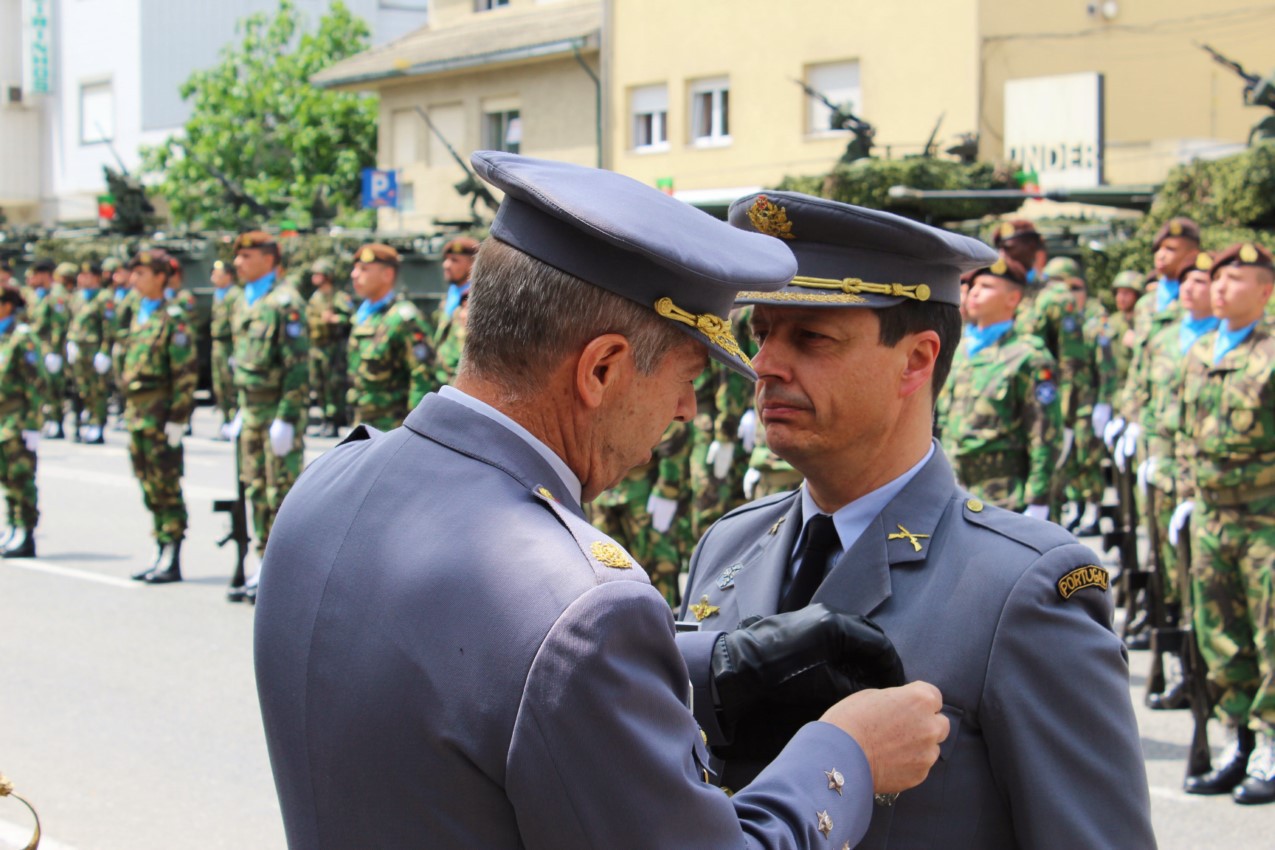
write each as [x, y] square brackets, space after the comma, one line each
[380, 189]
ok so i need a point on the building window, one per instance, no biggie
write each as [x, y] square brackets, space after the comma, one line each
[502, 131]
[710, 111]
[405, 127]
[839, 83]
[488, 5]
[649, 105]
[97, 113]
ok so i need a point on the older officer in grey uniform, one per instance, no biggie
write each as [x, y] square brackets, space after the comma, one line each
[1008, 615]
[450, 656]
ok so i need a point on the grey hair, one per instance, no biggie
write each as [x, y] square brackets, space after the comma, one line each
[525, 316]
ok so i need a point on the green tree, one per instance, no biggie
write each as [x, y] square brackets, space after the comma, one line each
[263, 144]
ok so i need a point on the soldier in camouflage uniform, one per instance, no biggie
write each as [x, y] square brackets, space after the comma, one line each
[458, 264]
[158, 379]
[272, 359]
[998, 414]
[115, 276]
[49, 309]
[329, 313]
[648, 512]
[1128, 287]
[176, 294]
[88, 346]
[22, 386]
[226, 294]
[449, 340]
[390, 356]
[1227, 448]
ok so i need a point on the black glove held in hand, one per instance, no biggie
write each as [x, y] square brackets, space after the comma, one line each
[773, 675]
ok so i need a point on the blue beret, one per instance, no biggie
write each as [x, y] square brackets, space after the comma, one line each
[633, 240]
[850, 256]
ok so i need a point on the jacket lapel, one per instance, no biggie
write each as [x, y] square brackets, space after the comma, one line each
[762, 571]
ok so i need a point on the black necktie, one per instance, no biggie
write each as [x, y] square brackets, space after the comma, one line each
[821, 539]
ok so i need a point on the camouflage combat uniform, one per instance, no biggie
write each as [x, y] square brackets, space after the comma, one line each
[221, 330]
[23, 382]
[50, 318]
[92, 331]
[622, 514]
[776, 474]
[272, 358]
[999, 419]
[1227, 448]
[328, 349]
[1083, 475]
[391, 364]
[449, 342]
[158, 379]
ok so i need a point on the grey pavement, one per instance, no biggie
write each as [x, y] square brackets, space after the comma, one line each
[128, 714]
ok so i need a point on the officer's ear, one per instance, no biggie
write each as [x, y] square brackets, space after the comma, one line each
[605, 364]
[922, 350]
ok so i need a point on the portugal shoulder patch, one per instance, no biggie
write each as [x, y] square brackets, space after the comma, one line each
[1082, 577]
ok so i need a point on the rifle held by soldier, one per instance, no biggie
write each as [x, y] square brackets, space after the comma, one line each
[1194, 670]
[237, 510]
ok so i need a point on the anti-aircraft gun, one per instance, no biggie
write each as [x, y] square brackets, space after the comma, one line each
[1258, 91]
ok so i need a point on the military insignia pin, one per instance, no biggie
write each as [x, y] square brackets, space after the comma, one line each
[825, 823]
[904, 534]
[835, 780]
[770, 218]
[727, 578]
[703, 610]
[611, 555]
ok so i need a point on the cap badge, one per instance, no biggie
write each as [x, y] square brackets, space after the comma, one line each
[1082, 577]
[703, 610]
[1175, 228]
[219, 265]
[904, 534]
[144, 258]
[248, 241]
[86, 267]
[1248, 253]
[770, 219]
[368, 256]
[998, 267]
[714, 327]
[1203, 261]
[611, 555]
[1006, 230]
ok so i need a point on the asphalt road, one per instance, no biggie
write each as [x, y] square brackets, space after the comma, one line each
[128, 714]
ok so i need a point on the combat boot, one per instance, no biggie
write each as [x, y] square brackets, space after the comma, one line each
[21, 544]
[141, 574]
[169, 567]
[1259, 786]
[1231, 767]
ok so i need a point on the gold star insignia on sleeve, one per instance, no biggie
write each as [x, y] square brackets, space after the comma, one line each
[904, 534]
[825, 823]
[703, 610]
[835, 780]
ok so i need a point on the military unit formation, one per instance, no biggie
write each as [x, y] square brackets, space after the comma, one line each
[1051, 402]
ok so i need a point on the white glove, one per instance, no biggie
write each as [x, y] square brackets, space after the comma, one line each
[53, 362]
[232, 428]
[174, 431]
[1112, 431]
[1144, 474]
[1178, 521]
[31, 439]
[1037, 512]
[101, 362]
[751, 477]
[72, 352]
[748, 430]
[1130, 439]
[720, 455]
[281, 434]
[662, 511]
[1101, 416]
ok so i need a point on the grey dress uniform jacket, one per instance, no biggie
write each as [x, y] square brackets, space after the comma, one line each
[449, 656]
[1044, 750]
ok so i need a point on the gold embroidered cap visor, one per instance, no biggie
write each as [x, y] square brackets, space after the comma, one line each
[637, 242]
[850, 256]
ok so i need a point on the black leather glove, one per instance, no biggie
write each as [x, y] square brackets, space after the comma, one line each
[775, 674]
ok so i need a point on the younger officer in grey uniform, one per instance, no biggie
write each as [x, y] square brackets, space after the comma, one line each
[1008, 615]
[449, 655]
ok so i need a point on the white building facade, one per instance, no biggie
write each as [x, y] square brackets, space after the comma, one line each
[88, 83]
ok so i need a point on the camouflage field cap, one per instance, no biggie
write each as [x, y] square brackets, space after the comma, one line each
[1184, 227]
[1062, 268]
[633, 240]
[462, 245]
[111, 264]
[1004, 268]
[850, 256]
[1130, 279]
[377, 252]
[66, 271]
[1017, 228]
[324, 267]
[1244, 254]
[256, 239]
